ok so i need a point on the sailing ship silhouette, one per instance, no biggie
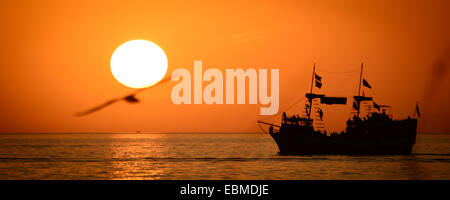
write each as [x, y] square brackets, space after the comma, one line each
[374, 133]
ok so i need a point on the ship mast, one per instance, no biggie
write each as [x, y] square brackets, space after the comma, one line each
[359, 89]
[312, 79]
[310, 99]
[360, 79]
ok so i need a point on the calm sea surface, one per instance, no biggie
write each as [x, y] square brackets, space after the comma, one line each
[202, 156]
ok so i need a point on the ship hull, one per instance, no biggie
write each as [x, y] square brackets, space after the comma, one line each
[397, 139]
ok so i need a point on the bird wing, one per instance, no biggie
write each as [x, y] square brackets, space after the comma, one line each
[129, 98]
[96, 108]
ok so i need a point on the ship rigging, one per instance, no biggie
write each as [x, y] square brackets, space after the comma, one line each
[373, 133]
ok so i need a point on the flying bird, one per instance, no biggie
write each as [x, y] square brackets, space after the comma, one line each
[130, 98]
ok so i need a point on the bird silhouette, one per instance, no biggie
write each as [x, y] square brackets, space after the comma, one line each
[129, 98]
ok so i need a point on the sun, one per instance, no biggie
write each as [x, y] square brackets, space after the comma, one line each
[138, 63]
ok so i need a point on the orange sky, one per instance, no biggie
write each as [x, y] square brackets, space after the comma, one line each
[54, 59]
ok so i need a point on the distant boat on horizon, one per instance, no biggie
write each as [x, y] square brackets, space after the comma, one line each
[376, 133]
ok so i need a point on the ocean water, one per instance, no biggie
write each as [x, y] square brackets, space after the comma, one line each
[202, 156]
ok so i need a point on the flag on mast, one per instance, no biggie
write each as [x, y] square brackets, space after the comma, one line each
[318, 80]
[417, 109]
[365, 83]
[375, 105]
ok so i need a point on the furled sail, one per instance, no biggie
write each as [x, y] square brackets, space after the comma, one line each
[333, 100]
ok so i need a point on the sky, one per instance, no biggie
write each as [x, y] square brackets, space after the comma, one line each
[54, 59]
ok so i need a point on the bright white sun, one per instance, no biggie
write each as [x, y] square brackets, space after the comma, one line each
[138, 63]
